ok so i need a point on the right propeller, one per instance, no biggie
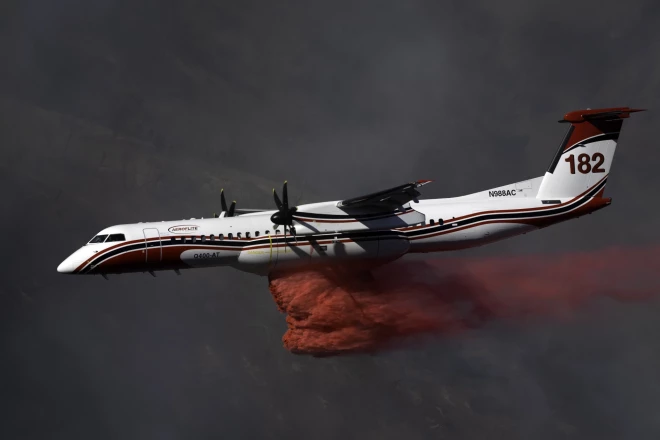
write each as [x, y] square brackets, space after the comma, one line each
[284, 214]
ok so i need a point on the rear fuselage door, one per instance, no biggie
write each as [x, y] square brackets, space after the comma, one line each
[153, 249]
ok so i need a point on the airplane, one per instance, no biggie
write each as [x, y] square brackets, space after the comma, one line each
[370, 230]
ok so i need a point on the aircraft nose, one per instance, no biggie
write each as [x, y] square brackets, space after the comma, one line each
[66, 266]
[71, 263]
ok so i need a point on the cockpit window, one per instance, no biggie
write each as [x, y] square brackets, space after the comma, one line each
[116, 237]
[98, 239]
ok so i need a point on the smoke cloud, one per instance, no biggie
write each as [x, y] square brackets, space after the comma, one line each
[330, 313]
[115, 111]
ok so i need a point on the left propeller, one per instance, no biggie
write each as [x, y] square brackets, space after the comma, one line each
[284, 214]
[223, 203]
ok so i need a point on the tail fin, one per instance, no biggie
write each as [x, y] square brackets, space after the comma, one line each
[585, 156]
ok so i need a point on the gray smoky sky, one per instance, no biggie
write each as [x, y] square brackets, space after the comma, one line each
[124, 111]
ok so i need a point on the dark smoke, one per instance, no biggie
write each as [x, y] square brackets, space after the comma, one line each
[331, 313]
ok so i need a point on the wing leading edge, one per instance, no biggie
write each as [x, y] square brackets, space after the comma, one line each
[389, 199]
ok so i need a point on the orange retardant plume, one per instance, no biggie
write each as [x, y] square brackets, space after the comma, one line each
[330, 313]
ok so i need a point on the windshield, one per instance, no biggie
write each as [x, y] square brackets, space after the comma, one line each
[116, 237]
[98, 239]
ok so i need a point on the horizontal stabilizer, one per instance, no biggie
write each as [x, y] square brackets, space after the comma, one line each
[578, 116]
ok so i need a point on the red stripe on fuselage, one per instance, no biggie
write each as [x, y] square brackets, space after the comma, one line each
[506, 211]
[539, 222]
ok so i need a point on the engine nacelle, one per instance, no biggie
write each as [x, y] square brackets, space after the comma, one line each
[304, 229]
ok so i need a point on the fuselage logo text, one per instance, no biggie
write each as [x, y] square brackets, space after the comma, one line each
[183, 229]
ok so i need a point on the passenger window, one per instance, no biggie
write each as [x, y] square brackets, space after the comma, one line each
[247, 235]
[221, 237]
[267, 232]
[432, 222]
[440, 222]
[230, 236]
[238, 235]
[203, 238]
[194, 239]
[277, 232]
[212, 237]
[256, 233]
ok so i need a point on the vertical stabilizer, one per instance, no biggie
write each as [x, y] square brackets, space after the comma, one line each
[585, 156]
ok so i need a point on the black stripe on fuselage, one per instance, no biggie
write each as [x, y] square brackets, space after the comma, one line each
[239, 245]
[119, 250]
[508, 215]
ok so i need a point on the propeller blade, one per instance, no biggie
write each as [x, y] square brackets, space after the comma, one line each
[285, 197]
[278, 202]
[223, 202]
[230, 213]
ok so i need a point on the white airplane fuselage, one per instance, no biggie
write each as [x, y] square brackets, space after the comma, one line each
[367, 230]
[252, 243]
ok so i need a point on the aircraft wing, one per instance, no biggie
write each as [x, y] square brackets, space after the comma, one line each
[389, 199]
[240, 211]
